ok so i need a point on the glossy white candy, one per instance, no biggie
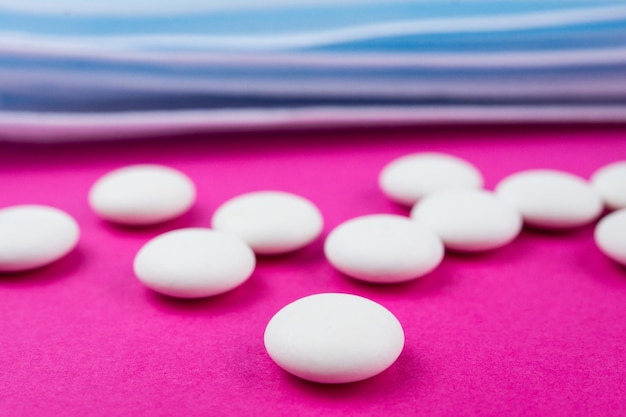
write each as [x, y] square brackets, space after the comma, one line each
[383, 248]
[334, 338]
[469, 220]
[142, 195]
[551, 199]
[32, 236]
[610, 182]
[271, 222]
[407, 179]
[610, 236]
[194, 262]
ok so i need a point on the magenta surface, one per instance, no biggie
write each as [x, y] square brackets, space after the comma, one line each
[535, 328]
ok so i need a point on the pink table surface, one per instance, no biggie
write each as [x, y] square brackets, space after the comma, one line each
[534, 328]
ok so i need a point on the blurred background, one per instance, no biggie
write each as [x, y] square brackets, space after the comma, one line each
[76, 70]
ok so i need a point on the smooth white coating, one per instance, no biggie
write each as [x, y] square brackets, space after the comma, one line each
[383, 248]
[194, 262]
[610, 182]
[551, 199]
[32, 236]
[409, 178]
[469, 220]
[610, 236]
[271, 222]
[142, 195]
[334, 338]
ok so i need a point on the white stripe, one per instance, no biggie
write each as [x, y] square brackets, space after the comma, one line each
[485, 60]
[533, 59]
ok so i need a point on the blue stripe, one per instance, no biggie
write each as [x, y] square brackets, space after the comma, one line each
[607, 35]
[246, 72]
[173, 102]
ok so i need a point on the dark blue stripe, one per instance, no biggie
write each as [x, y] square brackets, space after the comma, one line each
[163, 102]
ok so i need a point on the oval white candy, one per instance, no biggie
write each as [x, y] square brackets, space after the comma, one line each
[407, 179]
[334, 338]
[271, 222]
[610, 236]
[551, 199]
[469, 220]
[194, 262]
[383, 248]
[610, 182]
[142, 195]
[32, 236]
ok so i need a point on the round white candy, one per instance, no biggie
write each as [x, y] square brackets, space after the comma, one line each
[334, 338]
[469, 220]
[551, 199]
[194, 262]
[32, 236]
[407, 179]
[610, 182]
[383, 248]
[610, 236]
[271, 222]
[142, 195]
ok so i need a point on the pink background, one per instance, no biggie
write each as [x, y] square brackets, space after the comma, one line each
[535, 328]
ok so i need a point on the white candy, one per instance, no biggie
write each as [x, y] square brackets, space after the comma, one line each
[32, 236]
[142, 195]
[551, 199]
[271, 222]
[610, 236]
[383, 248]
[334, 338]
[469, 220]
[610, 182]
[194, 262]
[407, 179]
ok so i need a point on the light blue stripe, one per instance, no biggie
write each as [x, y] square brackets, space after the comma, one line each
[272, 21]
[246, 72]
[598, 35]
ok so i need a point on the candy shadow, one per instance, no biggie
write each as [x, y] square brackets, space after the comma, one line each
[243, 296]
[601, 267]
[616, 266]
[598, 266]
[308, 255]
[396, 208]
[433, 282]
[403, 374]
[570, 232]
[192, 218]
[512, 251]
[47, 274]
